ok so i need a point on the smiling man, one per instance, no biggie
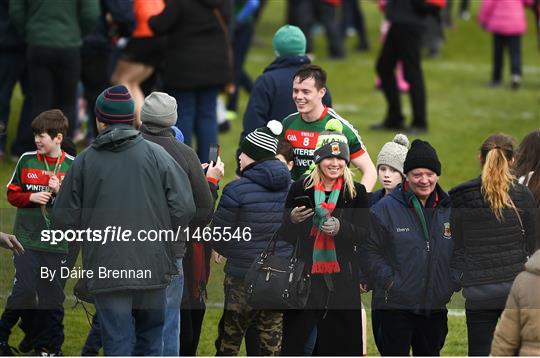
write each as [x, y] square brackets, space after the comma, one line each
[302, 128]
[407, 257]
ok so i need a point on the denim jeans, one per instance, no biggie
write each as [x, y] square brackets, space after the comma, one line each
[171, 328]
[124, 315]
[197, 114]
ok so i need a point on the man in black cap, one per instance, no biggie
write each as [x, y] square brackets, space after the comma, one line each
[407, 257]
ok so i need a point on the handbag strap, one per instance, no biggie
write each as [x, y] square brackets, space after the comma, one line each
[520, 224]
[273, 241]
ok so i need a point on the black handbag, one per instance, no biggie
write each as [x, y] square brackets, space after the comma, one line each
[277, 282]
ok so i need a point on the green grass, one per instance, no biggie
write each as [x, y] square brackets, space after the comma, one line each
[462, 113]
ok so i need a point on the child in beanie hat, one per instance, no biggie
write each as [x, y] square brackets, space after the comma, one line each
[115, 106]
[289, 40]
[332, 143]
[262, 143]
[422, 155]
[390, 166]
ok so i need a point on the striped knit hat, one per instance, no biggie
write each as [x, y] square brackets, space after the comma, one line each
[115, 105]
[262, 142]
[332, 143]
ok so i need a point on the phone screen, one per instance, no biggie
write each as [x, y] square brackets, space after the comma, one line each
[213, 153]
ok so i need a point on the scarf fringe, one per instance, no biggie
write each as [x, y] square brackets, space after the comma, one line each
[325, 267]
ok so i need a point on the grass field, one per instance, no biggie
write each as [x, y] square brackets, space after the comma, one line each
[462, 113]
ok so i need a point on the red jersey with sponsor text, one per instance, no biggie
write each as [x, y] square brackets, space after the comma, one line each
[303, 137]
[32, 175]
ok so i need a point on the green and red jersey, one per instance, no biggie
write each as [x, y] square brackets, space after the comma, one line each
[303, 137]
[32, 175]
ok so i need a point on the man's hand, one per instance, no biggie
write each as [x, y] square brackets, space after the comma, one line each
[300, 213]
[41, 198]
[10, 242]
[54, 184]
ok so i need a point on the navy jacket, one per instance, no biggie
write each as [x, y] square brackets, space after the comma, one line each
[408, 272]
[271, 96]
[254, 201]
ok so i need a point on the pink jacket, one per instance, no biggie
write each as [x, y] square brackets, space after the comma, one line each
[505, 17]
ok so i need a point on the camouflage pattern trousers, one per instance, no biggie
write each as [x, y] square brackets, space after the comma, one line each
[238, 316]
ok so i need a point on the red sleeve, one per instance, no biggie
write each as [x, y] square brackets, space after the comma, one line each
[357, 153]
[212, 180]
[18, 198]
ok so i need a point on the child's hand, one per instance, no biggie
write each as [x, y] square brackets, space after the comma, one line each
[41, 198]
[216, 170]
[54, 184]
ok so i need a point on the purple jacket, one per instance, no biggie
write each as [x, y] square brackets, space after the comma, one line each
[504, 17]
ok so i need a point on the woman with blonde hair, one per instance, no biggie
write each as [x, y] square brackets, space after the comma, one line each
[493, 223]
[323, 214]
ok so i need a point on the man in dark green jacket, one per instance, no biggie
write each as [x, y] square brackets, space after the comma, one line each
[126, 195]
[53, 31]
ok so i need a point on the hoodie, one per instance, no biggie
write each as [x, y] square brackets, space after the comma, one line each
[518, 331]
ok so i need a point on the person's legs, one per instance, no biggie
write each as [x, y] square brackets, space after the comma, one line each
[498, 59]
[242, 41]
[269, 326]
[171, 328]
[327, 15]
[116, 322]
[480, 327]
[253, 341]
[93, 340]
[149, 318]
[39, 60]
[50, 305]
[206, 128]
[376, 328]
[386, 65]
[236, 317]
[189, 340]
[67, 72]
[396, 327]
[305, 14]
[187, 101]
[430, 333]
[412, 69]
[297, 327]
[340, 333]
[24, 141]
[514, 49]
[23, 293]
[11, 69]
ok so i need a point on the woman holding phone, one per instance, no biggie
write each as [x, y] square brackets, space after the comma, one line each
[329, 228]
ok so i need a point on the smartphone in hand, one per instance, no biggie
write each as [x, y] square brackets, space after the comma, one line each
[213, 153]
[303, 201]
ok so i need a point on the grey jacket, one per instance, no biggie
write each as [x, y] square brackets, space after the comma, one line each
[123, 182]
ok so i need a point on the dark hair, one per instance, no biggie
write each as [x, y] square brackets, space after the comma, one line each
[528, 160]
[312, 71]
[285, 148]
[51, 122]
[496, 154]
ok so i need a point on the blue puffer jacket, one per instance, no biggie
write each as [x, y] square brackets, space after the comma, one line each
[407, 271]
[254, 201]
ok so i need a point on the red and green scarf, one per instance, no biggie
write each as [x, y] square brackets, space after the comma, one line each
[324, 248]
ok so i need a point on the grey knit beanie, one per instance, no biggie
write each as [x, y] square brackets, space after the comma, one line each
[393, 153]
[159, 109]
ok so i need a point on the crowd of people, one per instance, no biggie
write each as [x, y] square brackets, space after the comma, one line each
[413, 243]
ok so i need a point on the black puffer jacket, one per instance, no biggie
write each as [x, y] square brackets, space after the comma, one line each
[197, 53]
[486, 250]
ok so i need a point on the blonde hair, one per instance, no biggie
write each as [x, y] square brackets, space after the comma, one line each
[316, 175]
[496, 155]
